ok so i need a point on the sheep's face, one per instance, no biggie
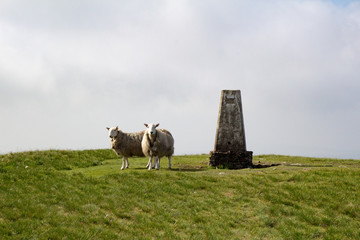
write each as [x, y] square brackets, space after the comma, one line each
[113, 132]
[151, 129]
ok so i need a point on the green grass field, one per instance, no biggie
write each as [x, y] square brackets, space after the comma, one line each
[84, 195]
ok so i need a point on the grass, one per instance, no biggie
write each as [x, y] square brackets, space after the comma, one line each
[85, 195]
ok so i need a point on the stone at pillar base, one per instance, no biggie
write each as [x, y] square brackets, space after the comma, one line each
[231, 160]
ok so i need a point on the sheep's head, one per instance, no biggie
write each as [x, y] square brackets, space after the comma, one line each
[113, 132]
[151, 129]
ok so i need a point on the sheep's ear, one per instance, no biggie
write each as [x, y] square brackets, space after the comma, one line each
[108, 128]
[145, 124]
[157, 125]
[117, 128]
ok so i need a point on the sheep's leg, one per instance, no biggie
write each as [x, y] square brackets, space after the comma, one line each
[150, 163]
[155, 162]
[169, 162]
[123, 163]
[127, 163]
[154, 165]
[157, 165]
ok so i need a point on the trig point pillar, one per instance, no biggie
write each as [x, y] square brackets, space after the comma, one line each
[230, 145]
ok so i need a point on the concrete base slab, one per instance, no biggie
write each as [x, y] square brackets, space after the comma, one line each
[231, 160]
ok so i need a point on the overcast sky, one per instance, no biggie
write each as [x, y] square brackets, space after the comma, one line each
[68, 69]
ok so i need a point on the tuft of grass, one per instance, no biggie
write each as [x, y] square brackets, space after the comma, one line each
[84, 195]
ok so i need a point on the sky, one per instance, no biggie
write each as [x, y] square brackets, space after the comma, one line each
[69, 69]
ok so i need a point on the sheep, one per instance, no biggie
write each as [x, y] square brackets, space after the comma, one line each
[157, 143]
[126, 144]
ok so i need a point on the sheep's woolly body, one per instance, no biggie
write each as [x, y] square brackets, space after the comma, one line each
[128, 144]
[162, 145]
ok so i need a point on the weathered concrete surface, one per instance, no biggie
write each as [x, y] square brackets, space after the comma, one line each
[230, 145]
[231, 160]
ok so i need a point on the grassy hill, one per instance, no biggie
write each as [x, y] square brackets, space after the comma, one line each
[85, 195]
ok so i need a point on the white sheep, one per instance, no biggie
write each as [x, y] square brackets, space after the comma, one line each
[126, 144]
[157, 143]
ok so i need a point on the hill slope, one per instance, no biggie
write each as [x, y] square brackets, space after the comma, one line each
[84, 195]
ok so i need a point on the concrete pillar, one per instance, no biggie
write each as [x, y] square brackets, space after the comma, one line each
[230, 144]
